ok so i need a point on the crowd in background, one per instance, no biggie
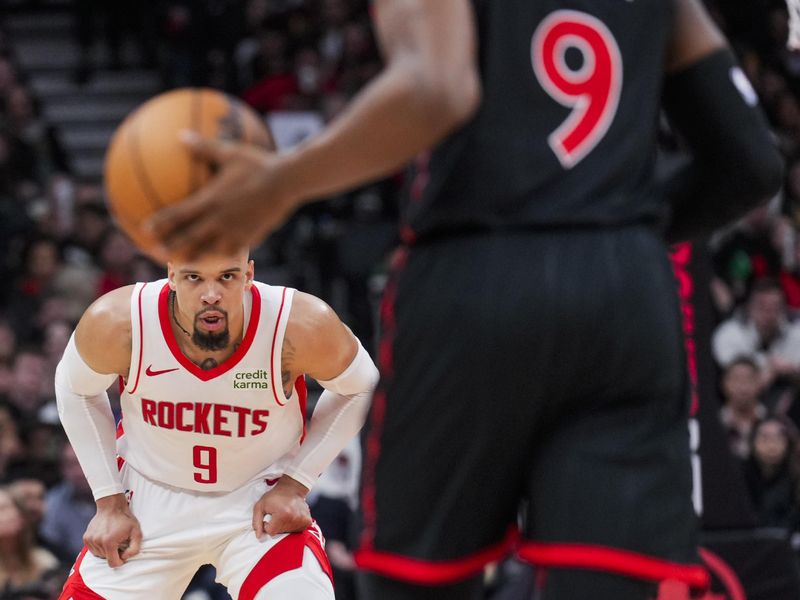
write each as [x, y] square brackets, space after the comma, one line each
[59, 250]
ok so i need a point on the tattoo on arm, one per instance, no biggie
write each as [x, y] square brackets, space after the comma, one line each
[287, 361]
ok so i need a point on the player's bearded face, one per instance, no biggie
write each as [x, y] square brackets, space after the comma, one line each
[210, 330]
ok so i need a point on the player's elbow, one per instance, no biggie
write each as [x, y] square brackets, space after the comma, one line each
[759, 176]
[461, 97]
[768, 174]
[448, 98]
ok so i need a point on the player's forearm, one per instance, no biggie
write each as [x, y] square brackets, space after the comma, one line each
[89, 425]
[88, 421]
[336, 420]
[338, 416]
[395, 118]
[735, 163]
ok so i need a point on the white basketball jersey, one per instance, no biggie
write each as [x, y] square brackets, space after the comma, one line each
[209, 430]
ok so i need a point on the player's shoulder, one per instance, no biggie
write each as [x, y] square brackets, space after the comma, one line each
[323, 345]
[103, 334]
[112, 309]
[310, 317]
[308, 307]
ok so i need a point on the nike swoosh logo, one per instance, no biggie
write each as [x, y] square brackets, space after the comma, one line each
[151, 373]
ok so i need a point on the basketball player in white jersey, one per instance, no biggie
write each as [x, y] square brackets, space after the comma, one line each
[211, 461]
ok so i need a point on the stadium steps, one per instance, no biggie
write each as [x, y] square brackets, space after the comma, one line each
[86, 114]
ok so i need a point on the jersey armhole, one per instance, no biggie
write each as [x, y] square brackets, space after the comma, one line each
[137, 343]
[281, 321]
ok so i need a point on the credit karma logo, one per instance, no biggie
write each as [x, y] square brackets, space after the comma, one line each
[251, 380]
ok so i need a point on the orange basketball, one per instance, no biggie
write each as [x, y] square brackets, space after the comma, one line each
[147, 167]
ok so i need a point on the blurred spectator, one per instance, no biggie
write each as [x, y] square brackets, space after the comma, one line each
[29, 389]
[116, 258]
[17, 164]
[92, 225]
[762, 331]
[747, 254]
[8, 75]
[24, 567]
[24, 113]
[41, 264]
[70, 507]
[56, 336]
[8, 347]
[274, 80]
[335, 15]
[12, 450]
[773, 474]
[741, 408]
[255, 17]
[29, 492]
[143, 269]
[43, 439]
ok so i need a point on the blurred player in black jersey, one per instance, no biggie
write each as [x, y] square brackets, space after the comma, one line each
[531, 351]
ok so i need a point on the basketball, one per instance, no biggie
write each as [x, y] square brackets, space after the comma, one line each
[147, 167]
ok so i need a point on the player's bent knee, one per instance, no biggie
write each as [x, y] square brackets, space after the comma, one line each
[309, 582]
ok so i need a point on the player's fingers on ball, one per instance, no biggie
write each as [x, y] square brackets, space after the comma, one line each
[207, 149]
[193, 239]
[168, 220]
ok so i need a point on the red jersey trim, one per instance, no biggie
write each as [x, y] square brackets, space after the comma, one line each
[141, 341]
[429, 572]
[302, 394]
[277, 381]
[120, 433]
[613, 560]
[227, 365]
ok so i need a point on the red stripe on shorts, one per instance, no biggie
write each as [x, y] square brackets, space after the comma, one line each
[378, 408]
[75, 588]
[284, 556]
[613, 560]
[434, 572]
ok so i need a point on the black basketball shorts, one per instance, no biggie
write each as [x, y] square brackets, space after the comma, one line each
[533, 398]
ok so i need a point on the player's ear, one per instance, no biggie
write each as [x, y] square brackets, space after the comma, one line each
[171, 276]
[249, 274]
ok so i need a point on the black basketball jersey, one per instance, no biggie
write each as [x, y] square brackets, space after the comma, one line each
[567, 130]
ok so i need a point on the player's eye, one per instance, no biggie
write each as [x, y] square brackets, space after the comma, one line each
[228, 277]
[193, 277]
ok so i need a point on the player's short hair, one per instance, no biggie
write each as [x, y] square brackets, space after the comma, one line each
[742, 359]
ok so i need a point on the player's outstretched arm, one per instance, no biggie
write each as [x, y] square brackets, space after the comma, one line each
[317, 343]
[96, 355]
[429, 86]
[735, 164]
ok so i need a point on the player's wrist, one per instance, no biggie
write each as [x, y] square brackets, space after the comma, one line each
[290, 484]
[112, 502]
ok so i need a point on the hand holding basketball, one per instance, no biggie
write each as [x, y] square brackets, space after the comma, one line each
[239, 206]
[148, 167]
